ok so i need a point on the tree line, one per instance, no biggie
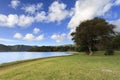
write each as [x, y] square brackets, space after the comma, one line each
[53, 48]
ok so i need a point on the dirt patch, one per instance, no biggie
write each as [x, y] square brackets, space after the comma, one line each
[107, 70]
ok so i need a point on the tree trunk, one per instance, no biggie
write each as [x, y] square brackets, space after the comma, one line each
[90, 51]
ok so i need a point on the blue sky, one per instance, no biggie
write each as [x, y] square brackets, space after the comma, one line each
[50, 22]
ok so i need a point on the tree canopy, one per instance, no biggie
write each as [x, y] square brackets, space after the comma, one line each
[116, 41]
[92, 32]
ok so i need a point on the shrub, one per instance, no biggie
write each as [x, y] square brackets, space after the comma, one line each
[109, 52]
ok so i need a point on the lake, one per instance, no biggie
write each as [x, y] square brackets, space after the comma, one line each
[6, 57]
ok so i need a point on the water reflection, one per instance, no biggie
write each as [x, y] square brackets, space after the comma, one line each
[6, 57]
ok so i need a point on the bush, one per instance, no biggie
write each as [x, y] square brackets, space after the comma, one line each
[109, 52]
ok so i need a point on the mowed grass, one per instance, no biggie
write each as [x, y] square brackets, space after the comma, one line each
[75, 67]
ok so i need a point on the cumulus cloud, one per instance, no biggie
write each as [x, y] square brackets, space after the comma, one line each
[25, 20]
[18, 36]
[41, 16]
[14, 20]
[83, 10]
[59, 37]
[88, 9]
[32, 8]
[9, 21]
[40, 37]
[36, 30]
[57, 12]
[29, 37]
[15, 3]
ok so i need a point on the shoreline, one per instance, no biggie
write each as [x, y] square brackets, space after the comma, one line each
[3, 65]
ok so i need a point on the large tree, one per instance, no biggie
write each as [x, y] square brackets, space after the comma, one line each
[116, 41]
[92, 32]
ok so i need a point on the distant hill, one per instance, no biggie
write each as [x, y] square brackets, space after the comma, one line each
[20, 48]
[15, 48]
[4, 48]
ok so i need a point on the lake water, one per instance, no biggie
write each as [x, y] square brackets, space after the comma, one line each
[6, 57]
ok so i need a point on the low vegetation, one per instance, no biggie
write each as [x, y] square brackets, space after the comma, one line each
[76, 67]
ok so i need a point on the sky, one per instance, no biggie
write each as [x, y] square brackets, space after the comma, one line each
[50, 22]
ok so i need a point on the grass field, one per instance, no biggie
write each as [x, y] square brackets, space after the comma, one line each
[75, 67]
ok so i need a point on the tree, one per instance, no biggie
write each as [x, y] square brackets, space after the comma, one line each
[116, 41]
[92, 32]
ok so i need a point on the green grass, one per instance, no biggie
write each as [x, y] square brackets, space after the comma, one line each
[75, 67]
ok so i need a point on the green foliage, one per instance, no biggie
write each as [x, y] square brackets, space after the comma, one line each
[53, 48]
[92, 32]
[116, 41]
[109, 52]
[109, 47]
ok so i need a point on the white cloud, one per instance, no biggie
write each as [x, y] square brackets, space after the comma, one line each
[83, 10]
[13, 20]
[9, 21]
[117, 2]
[18, 36]
[25, 21]
[40, 37]
[88, 9]
[3, 19]
[29, 37]
[14, 3]
[41, 16]
[117, 24]
[36, 30]
[32, 8]
[57, 12]
[59, 37]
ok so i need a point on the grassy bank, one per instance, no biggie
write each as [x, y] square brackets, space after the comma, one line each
[75, 67]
